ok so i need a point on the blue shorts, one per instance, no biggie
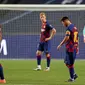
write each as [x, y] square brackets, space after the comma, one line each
[70, 58]
[44, 47]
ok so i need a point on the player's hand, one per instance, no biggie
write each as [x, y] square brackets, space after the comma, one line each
[47, 39]
[58, 47]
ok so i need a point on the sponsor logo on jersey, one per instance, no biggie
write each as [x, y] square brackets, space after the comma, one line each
[42, 30]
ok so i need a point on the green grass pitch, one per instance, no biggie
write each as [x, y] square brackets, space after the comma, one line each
[20, 72]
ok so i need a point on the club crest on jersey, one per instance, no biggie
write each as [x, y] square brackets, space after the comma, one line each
[42, 30]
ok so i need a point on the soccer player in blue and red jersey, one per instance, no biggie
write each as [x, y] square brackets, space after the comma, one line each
[71, 41]
[2, 79]
[47, 33]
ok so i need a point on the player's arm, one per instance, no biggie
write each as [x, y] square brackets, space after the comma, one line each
[66, 38]
[53, 32]
[78, 47]
[76, 41]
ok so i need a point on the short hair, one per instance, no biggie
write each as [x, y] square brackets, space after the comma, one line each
[42, 13]
[64, 18]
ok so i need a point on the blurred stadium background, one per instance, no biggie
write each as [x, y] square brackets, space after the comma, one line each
[21, 29]
[42, 1]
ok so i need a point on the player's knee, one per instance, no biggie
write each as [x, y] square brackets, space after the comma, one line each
[70, 66]
[47, 55]
[38, 53]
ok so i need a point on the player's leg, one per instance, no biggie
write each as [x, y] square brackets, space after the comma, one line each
[38, 55]
[2, 79]
[48, 56]
[71, 70]
[70, 59]
[48, 62]
[71, 65]
[74, 57]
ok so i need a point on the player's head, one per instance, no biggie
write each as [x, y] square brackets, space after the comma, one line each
[65, 21]
[43, 17]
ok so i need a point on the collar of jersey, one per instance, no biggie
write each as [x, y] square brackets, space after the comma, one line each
[70, 27]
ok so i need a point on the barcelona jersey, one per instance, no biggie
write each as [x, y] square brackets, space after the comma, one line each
[72, 43]
[45, 31]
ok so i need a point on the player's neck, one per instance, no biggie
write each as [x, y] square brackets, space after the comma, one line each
[69, 23]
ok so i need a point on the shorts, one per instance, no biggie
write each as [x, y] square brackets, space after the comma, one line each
[44, 47]
[70, 58]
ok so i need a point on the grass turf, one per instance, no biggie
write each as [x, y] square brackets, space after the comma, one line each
[20, 72]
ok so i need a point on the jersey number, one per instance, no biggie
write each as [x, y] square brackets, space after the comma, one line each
[75, 37]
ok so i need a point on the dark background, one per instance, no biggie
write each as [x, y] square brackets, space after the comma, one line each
[38, 1]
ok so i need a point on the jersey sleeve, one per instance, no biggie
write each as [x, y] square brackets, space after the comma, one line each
[67, 32]
[49, 26]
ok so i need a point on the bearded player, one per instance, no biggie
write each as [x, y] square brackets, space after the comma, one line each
[71, 41]
[47, 33]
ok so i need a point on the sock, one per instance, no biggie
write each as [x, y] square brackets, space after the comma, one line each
[1, 72]
[39, 60]
[48, 61]
[71, 71]
[74, 73]
[39, 66]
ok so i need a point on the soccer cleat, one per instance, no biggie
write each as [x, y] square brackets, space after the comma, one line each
[75, 76]
[37, 69]
[47, 69]
[3, 81]
[70, 80]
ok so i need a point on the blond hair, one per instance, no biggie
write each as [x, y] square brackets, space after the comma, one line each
[42, 13]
